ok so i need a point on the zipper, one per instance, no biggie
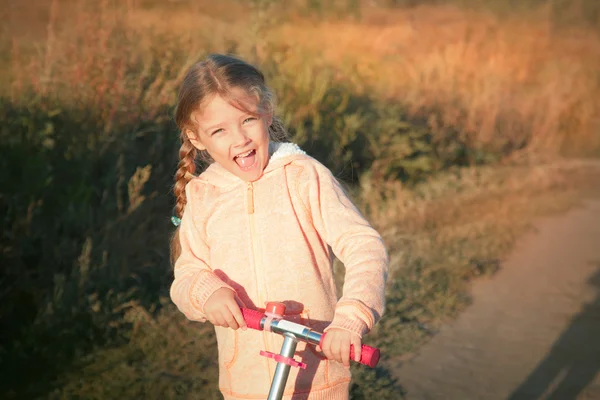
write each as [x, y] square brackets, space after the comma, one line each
[267, 340]
[250, 197]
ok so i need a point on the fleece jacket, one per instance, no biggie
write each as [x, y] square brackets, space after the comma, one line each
[275, 239]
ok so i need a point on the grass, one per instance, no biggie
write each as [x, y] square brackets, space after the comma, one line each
[499, 82]
[445, 123]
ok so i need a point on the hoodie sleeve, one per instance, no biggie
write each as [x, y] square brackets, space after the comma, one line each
[194, 279]
[355, 243]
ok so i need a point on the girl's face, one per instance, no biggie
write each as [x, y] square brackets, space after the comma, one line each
[234, 138]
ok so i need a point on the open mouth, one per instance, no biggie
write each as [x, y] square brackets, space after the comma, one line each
[246, 160]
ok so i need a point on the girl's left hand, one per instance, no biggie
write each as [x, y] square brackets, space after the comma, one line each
[336, 345]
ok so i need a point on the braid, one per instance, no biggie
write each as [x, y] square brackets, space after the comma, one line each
[277, 131]
[185, 172]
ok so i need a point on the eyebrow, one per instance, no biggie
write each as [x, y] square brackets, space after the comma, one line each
[208, 129]
[212, 128]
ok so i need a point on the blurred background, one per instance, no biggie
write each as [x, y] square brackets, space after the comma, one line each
[454, 123]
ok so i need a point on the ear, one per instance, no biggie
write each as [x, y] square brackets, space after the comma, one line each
[193, 138]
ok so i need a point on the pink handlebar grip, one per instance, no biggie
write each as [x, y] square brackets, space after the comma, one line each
[368, 355]
[252, 318]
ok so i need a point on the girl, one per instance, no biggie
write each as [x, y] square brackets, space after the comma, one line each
[263, 223]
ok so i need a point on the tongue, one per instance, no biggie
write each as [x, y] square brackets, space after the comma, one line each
[245, 162]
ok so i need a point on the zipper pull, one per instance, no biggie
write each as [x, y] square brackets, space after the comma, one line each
[250, 198]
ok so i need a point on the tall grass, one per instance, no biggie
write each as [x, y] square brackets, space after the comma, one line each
[495, 83]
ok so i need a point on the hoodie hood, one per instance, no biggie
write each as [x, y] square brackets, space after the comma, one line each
[280, 154]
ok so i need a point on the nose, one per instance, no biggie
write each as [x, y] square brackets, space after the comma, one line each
[241, 137]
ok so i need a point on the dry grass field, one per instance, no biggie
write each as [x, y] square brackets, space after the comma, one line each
[453, 126]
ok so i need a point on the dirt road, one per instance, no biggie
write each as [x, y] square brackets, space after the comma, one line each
[533, 330]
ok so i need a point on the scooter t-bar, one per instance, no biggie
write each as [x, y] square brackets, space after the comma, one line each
[272, 320]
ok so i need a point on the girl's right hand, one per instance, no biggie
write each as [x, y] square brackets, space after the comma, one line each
[222, 309]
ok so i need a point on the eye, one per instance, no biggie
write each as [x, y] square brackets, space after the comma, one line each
[249, 119]
[217, 131]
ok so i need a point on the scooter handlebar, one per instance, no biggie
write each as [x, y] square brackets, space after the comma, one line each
[368, 356]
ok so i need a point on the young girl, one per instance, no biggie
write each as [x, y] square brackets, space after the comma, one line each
[263, 223]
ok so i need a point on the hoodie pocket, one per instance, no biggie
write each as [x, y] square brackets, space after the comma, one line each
[228, 346]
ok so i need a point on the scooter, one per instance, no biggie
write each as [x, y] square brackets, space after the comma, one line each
[272, 320]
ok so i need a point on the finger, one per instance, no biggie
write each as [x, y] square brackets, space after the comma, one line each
[357, 344]
[219, 320]
[236, 313]
[345, 352]
[326, 348]
[212, 319]
[227, 318]
[336, 350]
[231, 322]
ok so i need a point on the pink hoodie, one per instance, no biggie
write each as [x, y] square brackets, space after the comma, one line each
[274, 240]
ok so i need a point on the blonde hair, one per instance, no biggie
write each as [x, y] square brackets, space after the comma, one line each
[219, 75]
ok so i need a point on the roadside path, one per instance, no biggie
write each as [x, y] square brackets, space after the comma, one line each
[533, 330]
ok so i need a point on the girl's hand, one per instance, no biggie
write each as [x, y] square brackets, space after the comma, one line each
[222, 309]
[336, 345]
